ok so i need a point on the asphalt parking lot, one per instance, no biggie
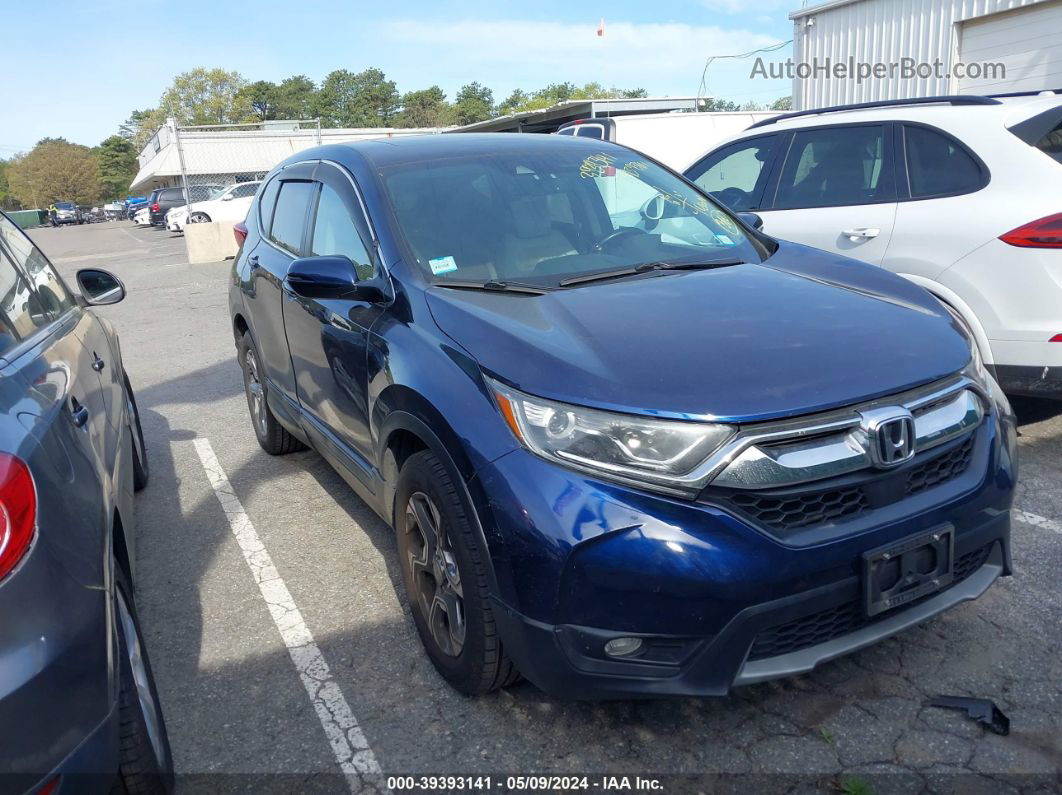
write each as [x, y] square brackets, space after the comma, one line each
[270, 597]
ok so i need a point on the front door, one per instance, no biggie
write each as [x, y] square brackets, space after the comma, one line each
[836, 190]
[328, 337]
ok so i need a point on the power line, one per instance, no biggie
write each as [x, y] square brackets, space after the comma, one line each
[702, 90]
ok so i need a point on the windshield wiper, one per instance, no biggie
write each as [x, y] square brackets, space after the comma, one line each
[496, 287]
[645, 267]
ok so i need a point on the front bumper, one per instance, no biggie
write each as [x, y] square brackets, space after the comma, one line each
[718, 600]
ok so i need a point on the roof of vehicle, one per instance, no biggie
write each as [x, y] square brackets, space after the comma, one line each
[414, 148]
[1009, 108]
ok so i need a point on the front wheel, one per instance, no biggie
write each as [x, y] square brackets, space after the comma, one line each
[444, 568]
[199, 218]
[145, 762]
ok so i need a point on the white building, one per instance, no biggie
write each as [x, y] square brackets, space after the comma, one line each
[952, 36]
[226, 155]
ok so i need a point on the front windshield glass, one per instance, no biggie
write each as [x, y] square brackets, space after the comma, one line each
[64, 206]
[542, 216]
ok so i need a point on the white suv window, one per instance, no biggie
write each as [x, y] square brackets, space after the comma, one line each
[938, 165]
[735, 175]
[835, 166]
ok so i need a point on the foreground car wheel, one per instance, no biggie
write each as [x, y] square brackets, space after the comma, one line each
[199, 218]
[146, 764]
[444, 571]
[272, 436]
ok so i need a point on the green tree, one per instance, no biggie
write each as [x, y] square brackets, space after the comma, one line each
[365, 99]
[782, 103]
[263, 98]
[721, 105]
[7, 201]
[55, 170]
[425, 108]
[141, 125]
[512, 103]
[117, 161]
[473, 103]
[296, 98]
[207, 96]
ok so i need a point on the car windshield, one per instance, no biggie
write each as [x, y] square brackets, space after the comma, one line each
[64, 206]
[543, 217]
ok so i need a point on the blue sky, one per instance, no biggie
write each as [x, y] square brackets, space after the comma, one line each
[80, 68]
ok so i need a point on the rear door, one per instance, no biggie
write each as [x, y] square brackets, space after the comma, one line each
[835, 189]
[284, 216]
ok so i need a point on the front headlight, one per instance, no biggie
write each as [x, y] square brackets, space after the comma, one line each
[626, 446]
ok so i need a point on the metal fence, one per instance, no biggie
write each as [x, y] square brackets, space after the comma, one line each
[219, 166]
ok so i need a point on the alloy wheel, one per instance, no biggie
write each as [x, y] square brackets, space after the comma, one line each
[134, 652]
[439, 594]
[255, 393]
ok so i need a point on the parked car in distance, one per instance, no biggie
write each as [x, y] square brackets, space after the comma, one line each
[674, 139]
[142, 217]
[958, 194]
[229, 206]
[67, 213]
[78, 707]
[164, 199]
[618, 460]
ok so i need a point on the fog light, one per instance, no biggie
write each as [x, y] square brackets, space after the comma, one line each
[622, 647]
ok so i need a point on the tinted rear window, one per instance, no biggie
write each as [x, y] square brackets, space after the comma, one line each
[938, 165]
[289, 219]
[1051, 143]
[1043, 131]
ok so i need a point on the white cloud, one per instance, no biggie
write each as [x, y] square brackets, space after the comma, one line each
[748, 6]
[664, 58]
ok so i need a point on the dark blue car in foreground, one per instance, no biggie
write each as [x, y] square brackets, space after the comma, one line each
[78, 707]
[629, 444]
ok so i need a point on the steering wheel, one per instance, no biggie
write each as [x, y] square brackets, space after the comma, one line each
[615, 234]
[731, 197]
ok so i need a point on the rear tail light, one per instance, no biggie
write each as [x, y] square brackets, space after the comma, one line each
[1056, 338]
[239, 231]
[1043, 233]
[18, 511]
[155, 207]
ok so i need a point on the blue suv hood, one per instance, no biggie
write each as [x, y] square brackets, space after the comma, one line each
[804, 331]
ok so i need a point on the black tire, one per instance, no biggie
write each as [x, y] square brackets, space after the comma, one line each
[199, 218]
[141, 470]
[145, 764]
[478, 664]
[272, 436]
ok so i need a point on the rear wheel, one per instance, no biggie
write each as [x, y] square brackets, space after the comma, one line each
[444, 568]
[272, 436]
[145, 762]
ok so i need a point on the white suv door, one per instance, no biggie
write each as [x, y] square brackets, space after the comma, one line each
[832, 187]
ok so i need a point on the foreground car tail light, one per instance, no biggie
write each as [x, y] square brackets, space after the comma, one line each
[1043, 233]
[18, 511]
[1056, 338]
[239, 231]
[155, 207]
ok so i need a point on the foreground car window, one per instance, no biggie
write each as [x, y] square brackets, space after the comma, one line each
[541, 218]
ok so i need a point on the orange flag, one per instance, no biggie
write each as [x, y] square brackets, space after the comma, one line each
[601, 27]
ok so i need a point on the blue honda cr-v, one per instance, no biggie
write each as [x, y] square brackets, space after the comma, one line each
[629, 444]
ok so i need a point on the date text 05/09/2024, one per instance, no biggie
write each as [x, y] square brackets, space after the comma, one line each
[517, 783]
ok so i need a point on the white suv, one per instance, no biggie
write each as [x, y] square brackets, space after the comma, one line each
[962, 195]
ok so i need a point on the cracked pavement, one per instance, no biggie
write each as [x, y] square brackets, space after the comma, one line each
[238, 711]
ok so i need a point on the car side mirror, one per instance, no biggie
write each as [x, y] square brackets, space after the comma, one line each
[751, 219]
[100, 287]
[332, 276]
[227, 197]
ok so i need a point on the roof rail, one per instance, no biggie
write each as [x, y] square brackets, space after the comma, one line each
[1027, 93]
[952, 99]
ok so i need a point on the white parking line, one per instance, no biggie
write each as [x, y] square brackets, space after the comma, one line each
[349, 745]
[1038, 521]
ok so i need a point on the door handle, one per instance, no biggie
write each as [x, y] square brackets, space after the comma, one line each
[252, 261]
[78, 413]
[97, 363]
[864, 233]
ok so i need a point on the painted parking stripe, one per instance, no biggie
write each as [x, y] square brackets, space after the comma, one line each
[1039, 521]
[349, 745]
